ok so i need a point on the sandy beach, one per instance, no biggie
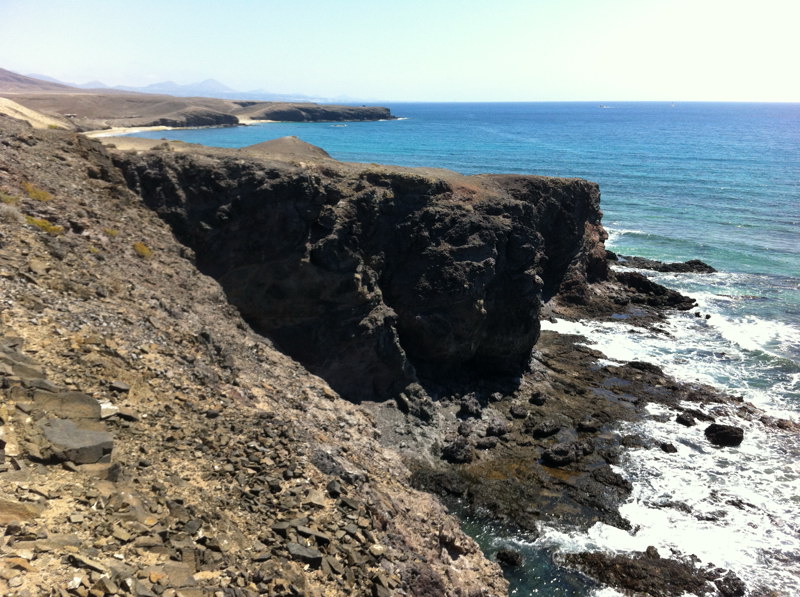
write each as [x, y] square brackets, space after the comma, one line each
[126, 130]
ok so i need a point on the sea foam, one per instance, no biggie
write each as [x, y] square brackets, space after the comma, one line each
[733, 507]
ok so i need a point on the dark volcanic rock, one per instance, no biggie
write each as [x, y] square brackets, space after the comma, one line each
[458, 451]
[544, 428]
[308, 112]
[654, 294]
[650, 574]
[305, 554]
[565, 453]
[643, 573]
[377, 278]
[195, 116]
[724, 435]
[509, 558]
[668, 447]
[691, 266]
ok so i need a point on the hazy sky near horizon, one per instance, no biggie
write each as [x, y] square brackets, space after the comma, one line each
[420, 50]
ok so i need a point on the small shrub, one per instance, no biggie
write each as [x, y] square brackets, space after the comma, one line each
[111, 232]
[9, 199]
[9, 213]
[53, 126]
[49, 227]
[142, 250]
[36, 193]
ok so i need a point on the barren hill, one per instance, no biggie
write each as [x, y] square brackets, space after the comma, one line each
[16, 83]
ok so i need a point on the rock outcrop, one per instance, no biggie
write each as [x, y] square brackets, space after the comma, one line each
[692, 266]
[194, 117]
[378, 278]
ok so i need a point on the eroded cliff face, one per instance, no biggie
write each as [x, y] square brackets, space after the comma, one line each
[232, 470]
[378, 278]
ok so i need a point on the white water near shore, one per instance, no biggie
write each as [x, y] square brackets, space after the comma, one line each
[737, 508]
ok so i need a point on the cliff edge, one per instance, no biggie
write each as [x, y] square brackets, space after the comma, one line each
[377, 279]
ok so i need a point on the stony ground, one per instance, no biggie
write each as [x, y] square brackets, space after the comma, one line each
[153, 445]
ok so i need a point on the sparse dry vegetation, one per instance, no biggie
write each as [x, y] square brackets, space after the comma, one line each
[36, 193]
[45, 225]
[8, 199]
[142, 250]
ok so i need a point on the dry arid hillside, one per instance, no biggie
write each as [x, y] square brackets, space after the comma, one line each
[153, 444]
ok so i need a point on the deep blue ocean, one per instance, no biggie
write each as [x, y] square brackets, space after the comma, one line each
[713, 181]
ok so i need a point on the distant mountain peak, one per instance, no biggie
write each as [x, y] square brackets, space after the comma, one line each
[213, 85]
[11, 81]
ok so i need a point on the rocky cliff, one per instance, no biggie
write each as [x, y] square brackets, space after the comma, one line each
[152, 444]
[378, 278]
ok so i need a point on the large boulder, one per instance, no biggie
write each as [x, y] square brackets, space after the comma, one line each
[724, 435]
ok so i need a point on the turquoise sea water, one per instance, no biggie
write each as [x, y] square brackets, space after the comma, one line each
[717, 182]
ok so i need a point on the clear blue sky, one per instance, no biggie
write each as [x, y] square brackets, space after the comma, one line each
[423, 50]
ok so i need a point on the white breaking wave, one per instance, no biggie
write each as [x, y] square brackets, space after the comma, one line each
[614, 235]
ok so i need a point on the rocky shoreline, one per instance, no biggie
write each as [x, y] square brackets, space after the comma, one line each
[154, 444]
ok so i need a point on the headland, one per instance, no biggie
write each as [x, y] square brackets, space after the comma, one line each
[72, 108]
[252, 371]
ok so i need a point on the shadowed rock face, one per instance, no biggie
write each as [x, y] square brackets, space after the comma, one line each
[377, 278]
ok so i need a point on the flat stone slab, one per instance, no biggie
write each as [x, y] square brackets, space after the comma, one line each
[68, 442]
[14, 512]
[68, 405]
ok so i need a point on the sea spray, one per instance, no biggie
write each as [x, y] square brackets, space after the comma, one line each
[733, 507]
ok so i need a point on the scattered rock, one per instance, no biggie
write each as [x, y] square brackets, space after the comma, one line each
[119, 386]
[509, 558]
[458, 451]
[12, 512]
[518, 411]
[470, 407]
[305, 554]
